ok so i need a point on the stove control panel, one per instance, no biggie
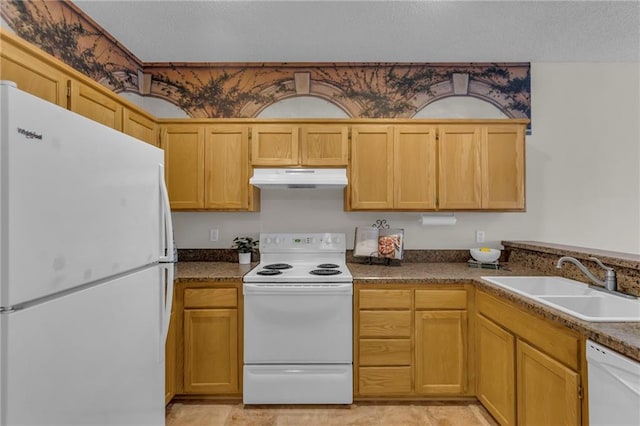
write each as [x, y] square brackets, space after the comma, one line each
[314, 242]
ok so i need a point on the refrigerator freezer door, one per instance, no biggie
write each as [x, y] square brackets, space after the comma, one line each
[79, 201]
[93, 357]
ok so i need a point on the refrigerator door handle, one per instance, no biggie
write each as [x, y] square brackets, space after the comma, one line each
[168, 301]
[168, 249]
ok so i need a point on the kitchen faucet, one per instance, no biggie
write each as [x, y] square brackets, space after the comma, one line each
[609, 278]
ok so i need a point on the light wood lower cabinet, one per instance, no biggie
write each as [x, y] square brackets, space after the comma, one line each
[496, 381]
[441, 352]
[170, 358]
[209, 358]
[411, 342]
[210, 351]
[528, 369]
[547, 391]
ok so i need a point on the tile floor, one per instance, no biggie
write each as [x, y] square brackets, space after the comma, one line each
[203, 413]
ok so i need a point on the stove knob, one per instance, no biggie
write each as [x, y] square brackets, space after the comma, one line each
[268, 240]
[277, 240]
[328, 240]
[336, 240]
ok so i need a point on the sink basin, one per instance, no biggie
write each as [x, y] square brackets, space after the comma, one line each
[604, 306]
[573, 297]
[528, 286]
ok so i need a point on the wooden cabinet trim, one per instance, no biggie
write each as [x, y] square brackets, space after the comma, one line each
[380, 352]
[385, 298]
[210, 298]
[383, 381]
[441, 299]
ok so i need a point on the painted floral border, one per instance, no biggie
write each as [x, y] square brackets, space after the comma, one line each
[362, 90]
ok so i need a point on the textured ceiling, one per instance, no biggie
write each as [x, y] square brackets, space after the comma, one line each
[372, 31]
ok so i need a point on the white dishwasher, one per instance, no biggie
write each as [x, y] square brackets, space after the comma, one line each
[614, 387]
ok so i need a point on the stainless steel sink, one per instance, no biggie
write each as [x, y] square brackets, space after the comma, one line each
[573, 297]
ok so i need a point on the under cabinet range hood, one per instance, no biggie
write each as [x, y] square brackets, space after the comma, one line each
[299, 178]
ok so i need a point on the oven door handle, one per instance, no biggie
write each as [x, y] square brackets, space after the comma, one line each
[297, 289]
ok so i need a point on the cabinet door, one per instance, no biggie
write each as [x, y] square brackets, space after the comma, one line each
[170, 359]
[414, 167]
[227, 167]
[211, 351]
[547, 391]
[441, 352]
[324, 145]
[503, 167]
[371, 181]
[139, 126]
[460, 177]
[274, 145]
[496, 353]
[94, 105]
[32, 74]
[184, 165]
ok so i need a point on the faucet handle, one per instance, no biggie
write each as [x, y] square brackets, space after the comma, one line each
[595, 259]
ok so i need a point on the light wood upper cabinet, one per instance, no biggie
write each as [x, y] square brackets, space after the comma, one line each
[481, 167]
[274, 145]
[503, 167]
[184, 165]
[393, 167]
[460, 174]
[95, 105]
[414, 167]
[324, 145]
[140, 126]
[547, 391]
[371, 174]
[207, 167]
[32, 72]
[227, 167]
[299, 145]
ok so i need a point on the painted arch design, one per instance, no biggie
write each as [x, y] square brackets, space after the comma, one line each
[218, 90]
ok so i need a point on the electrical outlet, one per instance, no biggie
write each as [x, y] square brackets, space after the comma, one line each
[213, 235]
[479, 236]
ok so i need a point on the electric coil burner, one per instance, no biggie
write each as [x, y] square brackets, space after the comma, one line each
[298, 322]
[325, 272]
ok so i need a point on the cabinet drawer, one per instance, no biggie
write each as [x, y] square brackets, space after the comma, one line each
[555, 340]
[441, 299]
[385, 299]
[210, 298]
[385, 324]
[384, 380]
[385, 352]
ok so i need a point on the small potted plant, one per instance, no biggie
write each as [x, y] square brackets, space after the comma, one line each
[244, 246]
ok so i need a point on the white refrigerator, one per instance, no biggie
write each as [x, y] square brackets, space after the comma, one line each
[85, 266]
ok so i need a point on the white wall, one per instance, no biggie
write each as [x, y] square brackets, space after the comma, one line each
[583, 182]
[584, 154]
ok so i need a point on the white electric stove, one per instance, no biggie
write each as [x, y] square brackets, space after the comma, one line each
[298, 322]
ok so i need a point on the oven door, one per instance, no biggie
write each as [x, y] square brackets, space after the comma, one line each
[297, 323]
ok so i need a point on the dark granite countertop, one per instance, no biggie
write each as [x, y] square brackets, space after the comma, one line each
[622, 337]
